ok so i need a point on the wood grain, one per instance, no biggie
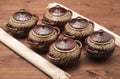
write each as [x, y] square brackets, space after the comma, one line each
[106, 13]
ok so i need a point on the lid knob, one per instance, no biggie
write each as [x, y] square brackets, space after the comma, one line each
[43, 25]
[65, 39]
[101, 32]
[22, 10]
[79, 18]
[57, 6]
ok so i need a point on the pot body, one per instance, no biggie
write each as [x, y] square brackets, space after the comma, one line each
[99, 51]
[57, 17]
[78, 33]
[41, 43]
[20, 26]
[64, 58]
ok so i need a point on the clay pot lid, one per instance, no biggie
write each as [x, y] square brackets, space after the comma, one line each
[100, 36]
[22, 15]
[79, 23]
[43, 29]
[57, 11]
[65, 44]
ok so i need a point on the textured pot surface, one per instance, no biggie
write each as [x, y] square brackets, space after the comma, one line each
[79, 28]
[57, 16]
[100, 45]
[41, 36]
[21, 22]
[65, 52]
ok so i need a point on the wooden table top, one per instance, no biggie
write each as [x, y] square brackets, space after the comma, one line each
[104, 12]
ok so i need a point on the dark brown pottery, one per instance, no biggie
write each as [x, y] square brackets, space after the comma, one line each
[41, 36]
[78, 28]
[57, 16]
[65, 52]
[100, 45]
[21, 23]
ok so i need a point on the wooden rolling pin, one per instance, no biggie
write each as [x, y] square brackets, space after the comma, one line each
[97, 26]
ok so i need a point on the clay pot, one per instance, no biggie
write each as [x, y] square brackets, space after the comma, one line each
[41, 36]
[21, 23]
[57, 16]
[65, 52]
[100, 45]
[78, 28]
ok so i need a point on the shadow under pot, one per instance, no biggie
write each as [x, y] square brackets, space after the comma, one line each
[100, 45]
[65, 52]
[78, 28]
[57, 16]
[41, 36]
[21, 23]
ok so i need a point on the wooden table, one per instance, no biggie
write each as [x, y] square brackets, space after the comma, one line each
[105, 12]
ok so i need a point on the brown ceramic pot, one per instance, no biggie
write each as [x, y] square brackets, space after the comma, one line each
[65, 52]
[41, 36]
[100, 45]
[21, 23]
[57, 16]
[78, 28]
